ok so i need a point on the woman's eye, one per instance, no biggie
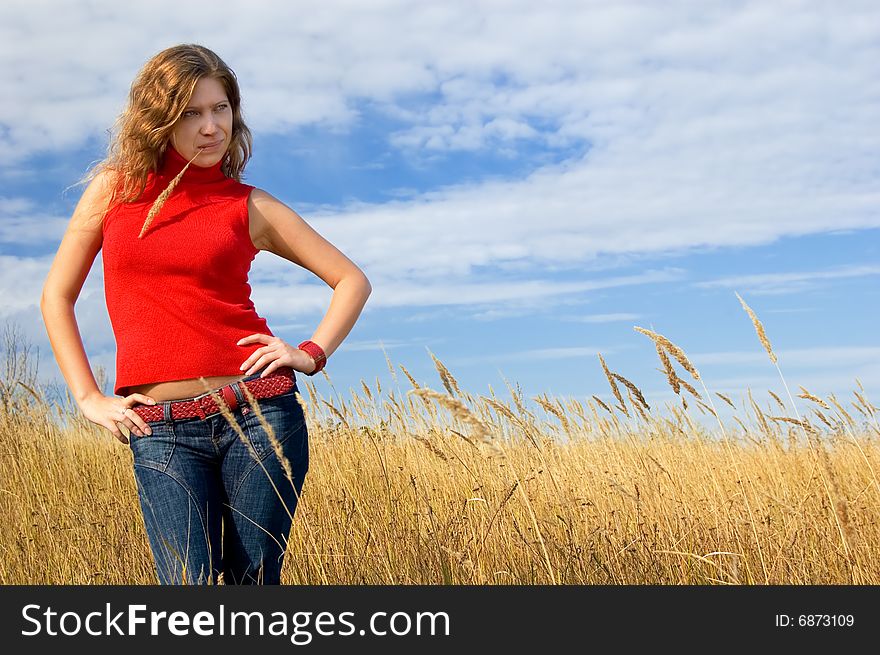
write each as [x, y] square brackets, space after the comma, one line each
[189, 113]
[222, 107]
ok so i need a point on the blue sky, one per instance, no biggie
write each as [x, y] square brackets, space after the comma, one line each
[522, 183]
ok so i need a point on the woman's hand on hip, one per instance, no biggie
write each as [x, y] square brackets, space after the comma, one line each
[275, 353]
[109, 411]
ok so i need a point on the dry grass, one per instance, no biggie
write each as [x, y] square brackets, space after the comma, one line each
[426, 487]
[162, 197]
[759, 328]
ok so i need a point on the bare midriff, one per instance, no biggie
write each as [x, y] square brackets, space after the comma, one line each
[177, 389]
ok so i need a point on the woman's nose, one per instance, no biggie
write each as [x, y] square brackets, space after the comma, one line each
[209, 125]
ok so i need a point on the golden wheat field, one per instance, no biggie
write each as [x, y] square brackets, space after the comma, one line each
[413, 485]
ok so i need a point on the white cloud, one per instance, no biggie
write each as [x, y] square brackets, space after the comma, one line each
[690, 128]
[540, 354]
[795, 281]
[815, 357]
[386, 344]
[21, 281]
[605, 318]
[21, 223]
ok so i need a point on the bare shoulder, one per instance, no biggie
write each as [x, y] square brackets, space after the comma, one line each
[94, 202]
[268, 218]
[277, 228]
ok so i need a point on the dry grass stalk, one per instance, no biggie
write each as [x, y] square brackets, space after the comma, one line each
[230, 418]
[690, 390]
[672, 349]
[633, 388]
[501, 505]
[552, 409]
[446, 377]
[458, 409]
[787, 419]
[393, 411]
[466, 440]
[868, 406]
[638, 406]
[517, 396]
[270, 432]
[313, 393]
[39, 398]
[707, 408]
[390, 365]
[425, 441]
[613, 384]
[160, 201]
[302, 403]
[760, 415]
[823, 418]
[600, 422]
[777, 399]
[335, 411]
[604, 406]
[357, 405]
[808, 396]
[671, 377]
[859, 409]
[501, 408]
[393, 399]
[840, 503]
[578, 409]
[840, 408]
[759, 328]
[725, 399]
[411, 379]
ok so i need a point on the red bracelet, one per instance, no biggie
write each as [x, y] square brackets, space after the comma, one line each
[314, 351]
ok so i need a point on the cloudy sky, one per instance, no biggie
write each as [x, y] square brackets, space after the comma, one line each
[522, 182]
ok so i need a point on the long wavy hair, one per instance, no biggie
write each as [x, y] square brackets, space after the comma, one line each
[159, 94]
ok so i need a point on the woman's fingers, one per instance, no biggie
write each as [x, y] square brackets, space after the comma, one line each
[131, 419]
[260, 363]
[135, 424]
[123, 419]
[115, 431]
[141, 427]
[141, 398]
[258, 353]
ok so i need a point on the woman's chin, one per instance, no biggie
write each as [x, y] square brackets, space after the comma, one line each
[208, 159]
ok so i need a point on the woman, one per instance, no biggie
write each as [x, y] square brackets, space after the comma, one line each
[179, 230]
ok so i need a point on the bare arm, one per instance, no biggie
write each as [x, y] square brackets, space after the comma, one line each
[279, 229]
[76, 254]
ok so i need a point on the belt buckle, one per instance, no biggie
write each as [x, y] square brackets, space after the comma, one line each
[229, 397]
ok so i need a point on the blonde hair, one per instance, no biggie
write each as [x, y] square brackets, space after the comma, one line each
[159, 94]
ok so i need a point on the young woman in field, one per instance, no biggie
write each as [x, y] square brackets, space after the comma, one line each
[179, 231]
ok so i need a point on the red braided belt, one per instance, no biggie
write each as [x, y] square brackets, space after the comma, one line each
[279, 382]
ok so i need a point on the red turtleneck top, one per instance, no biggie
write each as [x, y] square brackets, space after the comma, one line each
[179, 297]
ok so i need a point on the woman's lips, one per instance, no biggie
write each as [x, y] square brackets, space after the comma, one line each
[211, 146]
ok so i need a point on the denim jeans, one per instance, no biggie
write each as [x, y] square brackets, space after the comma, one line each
[212, 504]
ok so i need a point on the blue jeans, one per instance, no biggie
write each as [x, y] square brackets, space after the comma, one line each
[210, 504]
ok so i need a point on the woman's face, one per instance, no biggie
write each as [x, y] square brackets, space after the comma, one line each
[206, 123]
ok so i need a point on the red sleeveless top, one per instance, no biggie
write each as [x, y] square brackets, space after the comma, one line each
[179, 298]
